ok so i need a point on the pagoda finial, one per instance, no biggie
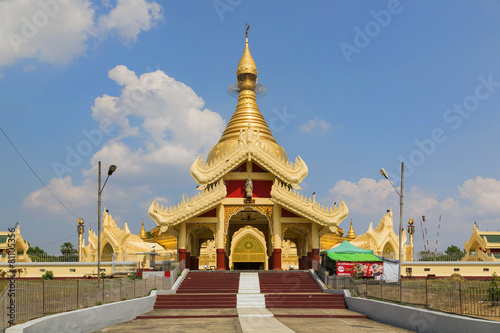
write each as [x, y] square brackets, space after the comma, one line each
[351, 234]
[142, 233]
[246, 30]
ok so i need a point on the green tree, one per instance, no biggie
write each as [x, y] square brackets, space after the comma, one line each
[69, 253]
[36, 251]
[454, 252]
[67, 248]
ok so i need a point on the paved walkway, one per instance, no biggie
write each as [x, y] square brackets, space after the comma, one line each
[251, 315]
[227, 320]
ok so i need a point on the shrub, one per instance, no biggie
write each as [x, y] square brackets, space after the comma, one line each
[494, 288]
[48, 275]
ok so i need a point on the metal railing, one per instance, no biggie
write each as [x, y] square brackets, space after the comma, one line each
[477, 298]
[34, 299]
[436, 256]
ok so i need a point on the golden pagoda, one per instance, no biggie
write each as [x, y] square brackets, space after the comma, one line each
[249, 213]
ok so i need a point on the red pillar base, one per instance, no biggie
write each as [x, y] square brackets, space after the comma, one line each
[182, 256]
[276, 259]
[315, 259]
[221, 259]
[309, 260]
[188, 260]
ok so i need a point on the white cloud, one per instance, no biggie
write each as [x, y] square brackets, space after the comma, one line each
[52, 33]
[76, 197]
[57, 31]
[173, 126]
[170, 128]
[484, 195]
[130, 17]
[1, 76]
[316, 123]
[476, 200]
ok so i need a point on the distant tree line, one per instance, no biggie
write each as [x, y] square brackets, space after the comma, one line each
[452, 253]
[68, 254]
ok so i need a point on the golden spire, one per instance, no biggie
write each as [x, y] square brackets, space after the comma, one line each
[142, 233]
[351, 234]
[247, 64]
[247, 114]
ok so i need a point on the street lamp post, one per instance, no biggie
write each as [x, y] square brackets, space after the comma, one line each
[112, 168]
[400, 193]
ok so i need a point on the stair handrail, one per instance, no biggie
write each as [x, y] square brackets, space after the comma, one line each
[180, 279]
[318, 281]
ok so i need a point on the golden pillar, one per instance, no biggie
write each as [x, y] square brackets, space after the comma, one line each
[182, 242]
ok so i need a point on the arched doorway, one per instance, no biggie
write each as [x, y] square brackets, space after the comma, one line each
[248, 250]
[388, 251]
[107, 253]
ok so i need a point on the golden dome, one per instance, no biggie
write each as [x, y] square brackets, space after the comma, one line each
[247, 113]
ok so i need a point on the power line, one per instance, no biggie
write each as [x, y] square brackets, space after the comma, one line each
[33, 171]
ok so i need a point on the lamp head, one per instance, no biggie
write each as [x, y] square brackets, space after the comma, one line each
[112, 168]
[383, 173]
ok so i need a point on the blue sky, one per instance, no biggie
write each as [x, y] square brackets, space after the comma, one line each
[419, 83]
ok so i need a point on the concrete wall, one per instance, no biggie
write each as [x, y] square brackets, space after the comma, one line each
[475, 269]
[419, 320]
[89, 319]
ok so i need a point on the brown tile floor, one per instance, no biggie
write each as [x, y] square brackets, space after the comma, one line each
[232, 324]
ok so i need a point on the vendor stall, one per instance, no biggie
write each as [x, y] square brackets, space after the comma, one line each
[347, 259]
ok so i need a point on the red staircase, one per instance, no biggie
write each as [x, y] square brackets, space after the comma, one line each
[305, 301]
[287, 282]
[210, 282]
[202, 290]
[195, 301]
[296, 290]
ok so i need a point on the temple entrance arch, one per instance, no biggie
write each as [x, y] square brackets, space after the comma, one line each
[248, 249]
[388, 251]
[107, 252]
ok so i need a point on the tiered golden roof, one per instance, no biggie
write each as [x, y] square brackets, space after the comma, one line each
[247, 112]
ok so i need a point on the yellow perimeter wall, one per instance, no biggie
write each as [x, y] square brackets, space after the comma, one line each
[479, 269]
[60, 270]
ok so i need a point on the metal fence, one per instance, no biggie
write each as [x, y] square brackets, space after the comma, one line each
[34, 299]
[477, 298]
[105, 257]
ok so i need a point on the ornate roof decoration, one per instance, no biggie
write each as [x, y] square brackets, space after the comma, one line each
[193, 206]
[481, 243]
[109, 225]
[301, 205]
[249, 147]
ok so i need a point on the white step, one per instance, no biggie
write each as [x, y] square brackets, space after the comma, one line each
[249, 295]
